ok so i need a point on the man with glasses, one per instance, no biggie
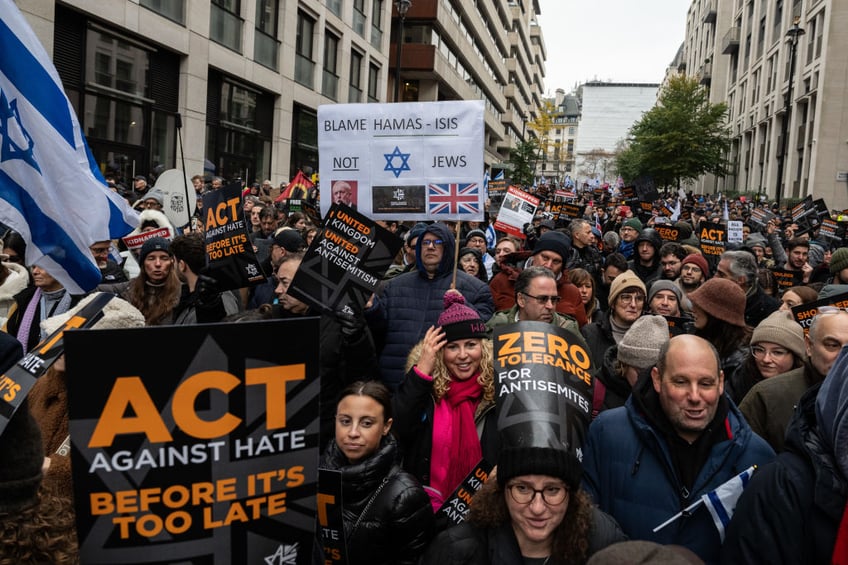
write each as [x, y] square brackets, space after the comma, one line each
[676, 438]
[672, 255]
[629, 231]
[408, 304]
[694, 271]
[769, 404]
[536, 299]
[626, 304]
[110, 271]
[551, 251]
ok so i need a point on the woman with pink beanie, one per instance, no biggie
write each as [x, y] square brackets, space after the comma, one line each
[444, 408]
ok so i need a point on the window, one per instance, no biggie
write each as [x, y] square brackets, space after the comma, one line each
[359, 17]
[377, 23]
[354, 93]
[303, 64]
[171, 9]
[225, 24]
[266, 45]
[777, 28]
[373, 80]
[335, 6]
[330, 83]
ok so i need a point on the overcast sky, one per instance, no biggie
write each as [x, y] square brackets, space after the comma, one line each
[617, 40]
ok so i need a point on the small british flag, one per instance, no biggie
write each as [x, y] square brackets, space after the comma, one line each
[454, 198]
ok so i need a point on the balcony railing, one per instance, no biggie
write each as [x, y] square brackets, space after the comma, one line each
[706, 74]
[265, 50]
[304, 71]
[730, 41]
[710, 12]
[225, 28]
[330, 85]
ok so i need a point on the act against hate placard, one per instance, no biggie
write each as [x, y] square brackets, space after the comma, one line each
[205, 450]
[345, 262]
[418, 160]
[230, 257]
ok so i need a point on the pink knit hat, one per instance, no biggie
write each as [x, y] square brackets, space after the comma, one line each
[459, 321]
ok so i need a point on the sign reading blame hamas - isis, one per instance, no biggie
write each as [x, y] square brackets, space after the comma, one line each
[204, 450]
[543, 376]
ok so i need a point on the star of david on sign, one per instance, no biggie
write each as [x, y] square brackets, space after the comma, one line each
[390, 160]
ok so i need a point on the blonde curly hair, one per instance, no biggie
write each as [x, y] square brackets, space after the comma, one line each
[441, 375]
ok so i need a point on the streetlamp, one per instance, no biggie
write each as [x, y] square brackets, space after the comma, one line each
[793, 35]
[402, 7]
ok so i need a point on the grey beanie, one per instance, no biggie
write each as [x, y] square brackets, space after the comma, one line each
[664, 284]
[641, 344]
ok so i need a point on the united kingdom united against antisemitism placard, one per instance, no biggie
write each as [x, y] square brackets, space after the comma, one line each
[416, 160]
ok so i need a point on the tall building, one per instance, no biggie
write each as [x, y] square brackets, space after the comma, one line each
[560, 158]
[242, 78]
[494, 51]
[609, 109]
[742, 51]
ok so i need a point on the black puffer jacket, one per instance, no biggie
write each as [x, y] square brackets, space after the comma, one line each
[398, 524]
[599, 338]
[467, 544]
[791, 509]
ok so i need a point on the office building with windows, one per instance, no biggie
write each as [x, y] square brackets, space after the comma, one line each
[789, 122]
[494, 51]
[236, 83]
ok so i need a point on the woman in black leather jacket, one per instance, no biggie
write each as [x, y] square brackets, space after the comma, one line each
[386, 513]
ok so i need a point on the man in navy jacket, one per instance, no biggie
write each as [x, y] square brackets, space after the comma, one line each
[677, 438]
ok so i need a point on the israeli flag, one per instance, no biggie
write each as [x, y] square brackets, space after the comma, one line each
[499, 175]
[51, 190]
[721, 502]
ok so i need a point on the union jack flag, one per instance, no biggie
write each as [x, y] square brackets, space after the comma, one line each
[454, 198]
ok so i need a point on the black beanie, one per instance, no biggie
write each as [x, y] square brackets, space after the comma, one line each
[154, 244]
[553, 241]
[550, 461]
[21, 459]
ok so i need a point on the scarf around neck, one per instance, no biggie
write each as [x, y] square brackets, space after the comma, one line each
[456, 446]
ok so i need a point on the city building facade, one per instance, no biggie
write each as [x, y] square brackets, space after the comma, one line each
[492, 50]
[236, 83]
[742, 50]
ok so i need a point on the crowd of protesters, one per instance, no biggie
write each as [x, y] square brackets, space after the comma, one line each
[700, 371]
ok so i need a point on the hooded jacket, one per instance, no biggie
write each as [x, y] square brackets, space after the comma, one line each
[398, 523]
[412, 302]
[633, 471]
[791, 510]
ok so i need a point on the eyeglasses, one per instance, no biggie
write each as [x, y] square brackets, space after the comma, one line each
[826, 310]
[151, 204]
[432, 243]
[637, 298]
[691, 269]
[759, 352]
[100, 250]
[524, 494]
[543, 300]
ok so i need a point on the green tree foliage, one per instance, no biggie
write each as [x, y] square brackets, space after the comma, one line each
[683, 137]
[523, 158]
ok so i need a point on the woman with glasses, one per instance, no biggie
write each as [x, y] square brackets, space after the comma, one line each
[386, 514]
[777, 346]
[718, 307]
[531, 510]
[626, 303]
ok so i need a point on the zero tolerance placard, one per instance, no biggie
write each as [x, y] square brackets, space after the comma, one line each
[419, 160]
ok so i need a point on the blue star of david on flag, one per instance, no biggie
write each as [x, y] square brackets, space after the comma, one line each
[390, 162]
[454, 198]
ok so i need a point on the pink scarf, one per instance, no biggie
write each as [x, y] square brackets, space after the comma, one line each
[456, 447]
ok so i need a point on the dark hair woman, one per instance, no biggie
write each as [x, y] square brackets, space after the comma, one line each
[532, 510]
[386, 513]
[585, 283]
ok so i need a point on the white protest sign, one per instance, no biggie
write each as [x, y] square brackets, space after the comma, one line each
[410, 161]
[734, 231]
[518, 208]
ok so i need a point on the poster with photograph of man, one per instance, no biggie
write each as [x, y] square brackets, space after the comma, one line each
[345, 192]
